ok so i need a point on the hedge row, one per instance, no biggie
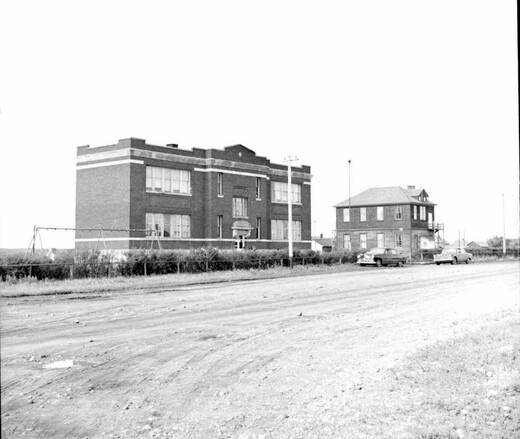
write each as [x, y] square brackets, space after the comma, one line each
[139, 263]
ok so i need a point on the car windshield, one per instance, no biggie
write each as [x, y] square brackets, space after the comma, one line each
[375, 250]
[449, 251]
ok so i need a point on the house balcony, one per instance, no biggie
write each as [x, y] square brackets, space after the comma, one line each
[435, 226]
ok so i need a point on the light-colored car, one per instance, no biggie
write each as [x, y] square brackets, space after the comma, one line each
[381, 256]
[453, 255]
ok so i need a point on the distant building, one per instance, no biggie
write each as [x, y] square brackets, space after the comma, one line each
[474, 245]
[134, 195]
[322, 244]
[388, 217]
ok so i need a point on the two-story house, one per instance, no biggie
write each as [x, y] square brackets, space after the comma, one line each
[387, 217]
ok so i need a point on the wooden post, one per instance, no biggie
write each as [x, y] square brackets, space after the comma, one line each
[72, 271]
[144, 264]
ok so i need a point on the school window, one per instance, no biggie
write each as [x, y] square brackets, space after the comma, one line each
[398, 212]
[346, 242]
[258, 227]
[220, 220]
[380, 213]
[398, 240]
[346, 215]
[363, 240]
[414, 212]
[280, 230]
[363, 214]
[165, 180]
[240, 207]
[220, 184]
[279, 192]
[422, 212]
[258, 188]
[166, 226]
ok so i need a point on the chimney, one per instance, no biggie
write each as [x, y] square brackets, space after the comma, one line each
[172, 145]
[410, 188]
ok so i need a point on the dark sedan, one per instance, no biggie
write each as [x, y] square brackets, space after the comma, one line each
[382, 256]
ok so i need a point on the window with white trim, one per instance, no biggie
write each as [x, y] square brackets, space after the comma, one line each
[398, 213]
[258, 188]
[414, 212]
[258, 227]
[362, 214]
[168, 226]
[380, 240]
[220, 221]
[220, 184]
[279, 192]
[166, 180]
[363, 240]
[346, 215]
[422, 212]
[240, 207]
[280, 230]
[380, 213]
[347, 245]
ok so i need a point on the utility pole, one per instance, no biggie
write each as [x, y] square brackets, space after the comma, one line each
[503, 227]
[349, 211]
[289, 160]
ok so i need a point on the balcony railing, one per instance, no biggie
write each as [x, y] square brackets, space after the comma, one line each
[435, 226]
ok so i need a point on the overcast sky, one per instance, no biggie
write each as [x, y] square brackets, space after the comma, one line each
[413, 92]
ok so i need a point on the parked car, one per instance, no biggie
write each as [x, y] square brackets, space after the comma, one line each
[453, 255]
[381, 256]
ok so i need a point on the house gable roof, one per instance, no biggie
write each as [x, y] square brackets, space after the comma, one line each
[379, 196]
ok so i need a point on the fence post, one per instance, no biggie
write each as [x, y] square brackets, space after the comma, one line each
[72, 271]
[30, 270]
[178, 267]
[144, 265]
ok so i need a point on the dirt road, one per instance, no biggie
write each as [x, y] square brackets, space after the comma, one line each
[275, 358]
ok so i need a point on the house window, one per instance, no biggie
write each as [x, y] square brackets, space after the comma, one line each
[346, 215]
[398, 240]
[279, 192]
[398, 212]
[363, 240]
[165, 180]
[258, 227]
[363, 215]
[220, 221]
[414, 212]
[415, 242]
[240, 207]
[220, 184]
[380, 240]
[258, 188]
[166, 226]
[280, 230]
[346, 242]
[380, 213]
[422, 212]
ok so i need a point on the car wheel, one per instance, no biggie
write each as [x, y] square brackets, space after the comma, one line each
[454, 261]
[467, 261]
[438, 263]
[378, 263]
[400, 264]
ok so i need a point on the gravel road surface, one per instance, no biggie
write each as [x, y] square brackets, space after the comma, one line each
[267, 358]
